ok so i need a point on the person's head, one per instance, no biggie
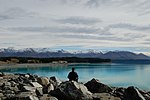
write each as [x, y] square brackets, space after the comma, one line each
[73, 69]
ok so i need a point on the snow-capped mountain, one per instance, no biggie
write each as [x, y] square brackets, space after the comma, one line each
[47, 53]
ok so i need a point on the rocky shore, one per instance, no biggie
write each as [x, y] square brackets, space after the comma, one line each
[33, 87]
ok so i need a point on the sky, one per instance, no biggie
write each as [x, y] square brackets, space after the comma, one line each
[104, 25]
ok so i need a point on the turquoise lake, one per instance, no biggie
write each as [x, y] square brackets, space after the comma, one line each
[111, 74]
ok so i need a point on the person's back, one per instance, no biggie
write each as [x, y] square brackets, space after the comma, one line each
[73, 75]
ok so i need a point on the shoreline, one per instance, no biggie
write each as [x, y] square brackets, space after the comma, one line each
[32, 65]
[29, 65]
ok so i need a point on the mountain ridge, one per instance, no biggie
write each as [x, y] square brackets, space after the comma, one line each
[48, 53]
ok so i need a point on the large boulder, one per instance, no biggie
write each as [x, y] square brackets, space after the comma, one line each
[43, 81]
[71, 90]
[132, 93]
[95, 86]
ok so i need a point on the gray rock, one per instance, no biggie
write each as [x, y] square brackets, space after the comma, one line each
[145, 94]
[48, 88]
[43, 81]
[55, 81]
[36, 84]
[71, 90]
[104, 96]
[26, 96]
[7, 84]
[13, 84]
[31, 97]
[27, 76]
[39, 92]
[119, 92]
[33, 77]
[46, 97]
[1, 95]
[95, 86]
[15, 89]
[131, 93]
[29, 88]
[1, 78]
[9, 94]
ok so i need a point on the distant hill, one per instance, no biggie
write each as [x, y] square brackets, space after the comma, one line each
[46, 53]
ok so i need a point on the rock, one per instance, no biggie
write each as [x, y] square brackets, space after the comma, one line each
[10, 76]
[46, 97]
[55, 81]
[131, 93]
[1, 78]
[145, 94]
[7, 84]
[31, 97]
[1, 95]
[104, 96]
[71, 90]
[33, 77]
[43, 81]
[13, 84]
[95, 86]
[36, 84]
[39, 92]
[2, 83]
[9, 94]
[29, 88]
[26, 96]
[15, 89]
[20, 86]
[48, 88]
[27, 76]
[118, 92]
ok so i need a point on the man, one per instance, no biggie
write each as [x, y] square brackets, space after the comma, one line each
[73, 76]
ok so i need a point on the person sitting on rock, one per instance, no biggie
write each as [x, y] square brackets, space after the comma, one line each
[73, 76]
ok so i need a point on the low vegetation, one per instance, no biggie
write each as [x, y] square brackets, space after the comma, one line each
[50, 60]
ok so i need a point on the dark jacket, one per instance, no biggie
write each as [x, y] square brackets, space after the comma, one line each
[73, 76]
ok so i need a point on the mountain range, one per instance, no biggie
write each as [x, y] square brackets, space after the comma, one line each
[47, 53]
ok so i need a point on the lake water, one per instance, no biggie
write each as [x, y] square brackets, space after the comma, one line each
[111, 74]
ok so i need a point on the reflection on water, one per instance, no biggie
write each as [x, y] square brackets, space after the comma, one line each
[112, 74]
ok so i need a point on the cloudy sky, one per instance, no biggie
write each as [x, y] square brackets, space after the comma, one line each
[76, 24]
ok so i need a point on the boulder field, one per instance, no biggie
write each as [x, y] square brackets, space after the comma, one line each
[34, 87]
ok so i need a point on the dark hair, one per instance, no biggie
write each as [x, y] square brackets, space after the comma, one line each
[73, 68]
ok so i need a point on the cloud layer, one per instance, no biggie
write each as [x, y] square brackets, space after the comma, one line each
[90, 24]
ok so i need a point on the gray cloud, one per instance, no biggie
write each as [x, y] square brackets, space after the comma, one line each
[93, 3]
[15, 12]
[130, 26]
[79, 20]
[56, 29]
[134, 36]
[98, 37]
[138, 6]
[4, 17]
[97, 3]
[143, 8]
